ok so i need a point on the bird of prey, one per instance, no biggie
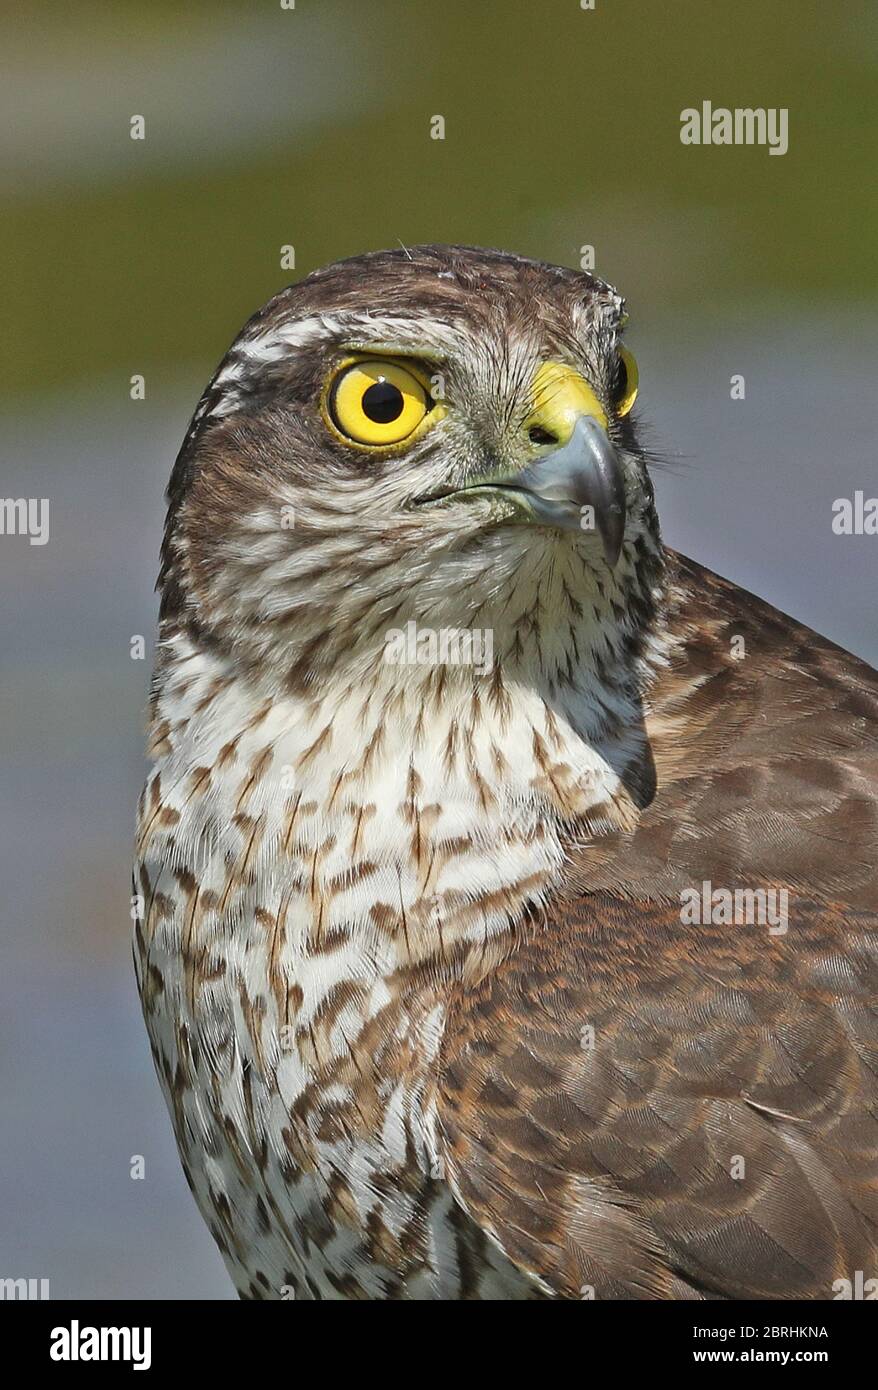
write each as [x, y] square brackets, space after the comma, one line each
[506, 893]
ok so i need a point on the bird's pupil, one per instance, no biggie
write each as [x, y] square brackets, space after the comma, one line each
[382, 402]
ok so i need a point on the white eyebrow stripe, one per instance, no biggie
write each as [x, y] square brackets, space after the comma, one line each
[264, 349]
[423, 332]
[366, 329]
[227, 382]
[379, 331]
[274, 344]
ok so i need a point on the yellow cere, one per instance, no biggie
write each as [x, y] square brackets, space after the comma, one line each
[377, 402]
[560, 395]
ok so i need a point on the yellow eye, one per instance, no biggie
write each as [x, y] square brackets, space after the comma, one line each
[377, 402]
[625, 383]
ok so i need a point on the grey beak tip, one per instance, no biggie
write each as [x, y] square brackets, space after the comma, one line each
[584, 472]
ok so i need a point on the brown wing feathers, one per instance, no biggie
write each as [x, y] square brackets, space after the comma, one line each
[636, 1107]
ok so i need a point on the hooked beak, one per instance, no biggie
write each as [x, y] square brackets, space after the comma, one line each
[578, 485]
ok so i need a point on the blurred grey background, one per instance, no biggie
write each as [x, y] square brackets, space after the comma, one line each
[267, 127]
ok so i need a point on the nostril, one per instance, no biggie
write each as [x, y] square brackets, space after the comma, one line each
[538, 435]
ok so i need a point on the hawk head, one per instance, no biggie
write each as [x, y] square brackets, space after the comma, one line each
[440, 435]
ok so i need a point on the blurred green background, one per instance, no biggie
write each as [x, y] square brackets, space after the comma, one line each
[311, 127]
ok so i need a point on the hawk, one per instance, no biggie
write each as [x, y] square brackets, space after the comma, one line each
[507, 883]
